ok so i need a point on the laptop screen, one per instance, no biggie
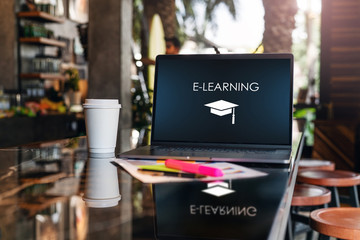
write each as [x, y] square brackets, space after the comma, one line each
[223, 99]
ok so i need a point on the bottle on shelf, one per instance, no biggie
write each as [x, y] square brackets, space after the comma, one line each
[47, 6]
[46, 64]
[4, 100]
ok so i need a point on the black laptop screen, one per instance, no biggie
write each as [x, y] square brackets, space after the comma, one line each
[229, 99]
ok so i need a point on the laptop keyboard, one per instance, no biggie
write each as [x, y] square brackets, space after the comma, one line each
[213, 149]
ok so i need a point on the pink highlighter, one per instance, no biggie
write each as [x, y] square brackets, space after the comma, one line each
[194, 168]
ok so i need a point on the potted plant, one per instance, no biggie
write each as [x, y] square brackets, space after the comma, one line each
[72, 89]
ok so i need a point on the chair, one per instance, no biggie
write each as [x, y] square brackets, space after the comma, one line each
[310, 195]
[343, 222]
[314, 164]
[333, 180]
[305, 198]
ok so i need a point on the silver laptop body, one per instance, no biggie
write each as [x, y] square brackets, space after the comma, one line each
[230, 107]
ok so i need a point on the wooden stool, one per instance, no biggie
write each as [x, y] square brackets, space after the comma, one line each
[340, 222]
[310, 195]
[306, 196]
[313, 164]
[332, 180]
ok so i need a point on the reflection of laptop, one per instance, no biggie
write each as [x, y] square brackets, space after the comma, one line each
[232, 107]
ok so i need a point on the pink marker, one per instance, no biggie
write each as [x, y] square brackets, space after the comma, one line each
[194, 168]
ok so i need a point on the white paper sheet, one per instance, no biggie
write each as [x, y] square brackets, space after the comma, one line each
[230, 170]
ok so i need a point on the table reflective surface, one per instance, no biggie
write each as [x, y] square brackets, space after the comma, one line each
[55, 191]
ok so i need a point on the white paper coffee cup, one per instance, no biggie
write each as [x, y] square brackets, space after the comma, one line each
[101, 120]
[102, 184]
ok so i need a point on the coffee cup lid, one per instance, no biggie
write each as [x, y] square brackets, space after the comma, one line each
[102, 203]
[101, 103]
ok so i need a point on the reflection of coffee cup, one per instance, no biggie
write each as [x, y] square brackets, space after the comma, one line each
[102, 120]
[102, 184]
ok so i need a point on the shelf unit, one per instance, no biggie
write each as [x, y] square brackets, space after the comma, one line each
[50, 76]
[40, 17]
[42, 42]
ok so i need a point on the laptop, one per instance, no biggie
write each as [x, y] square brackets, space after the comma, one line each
[223, 107]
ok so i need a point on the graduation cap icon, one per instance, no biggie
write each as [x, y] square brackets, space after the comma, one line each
[218, 189]
[222, 108]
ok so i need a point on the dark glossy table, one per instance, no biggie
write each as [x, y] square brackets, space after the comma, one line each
[42, 189]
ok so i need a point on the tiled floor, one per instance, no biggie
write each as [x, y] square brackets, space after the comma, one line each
[303, 237]
[315, 236]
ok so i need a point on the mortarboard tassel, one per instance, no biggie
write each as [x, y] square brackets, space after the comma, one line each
[233, 116]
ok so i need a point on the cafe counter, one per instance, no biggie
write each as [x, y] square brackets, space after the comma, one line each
[53, 190]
